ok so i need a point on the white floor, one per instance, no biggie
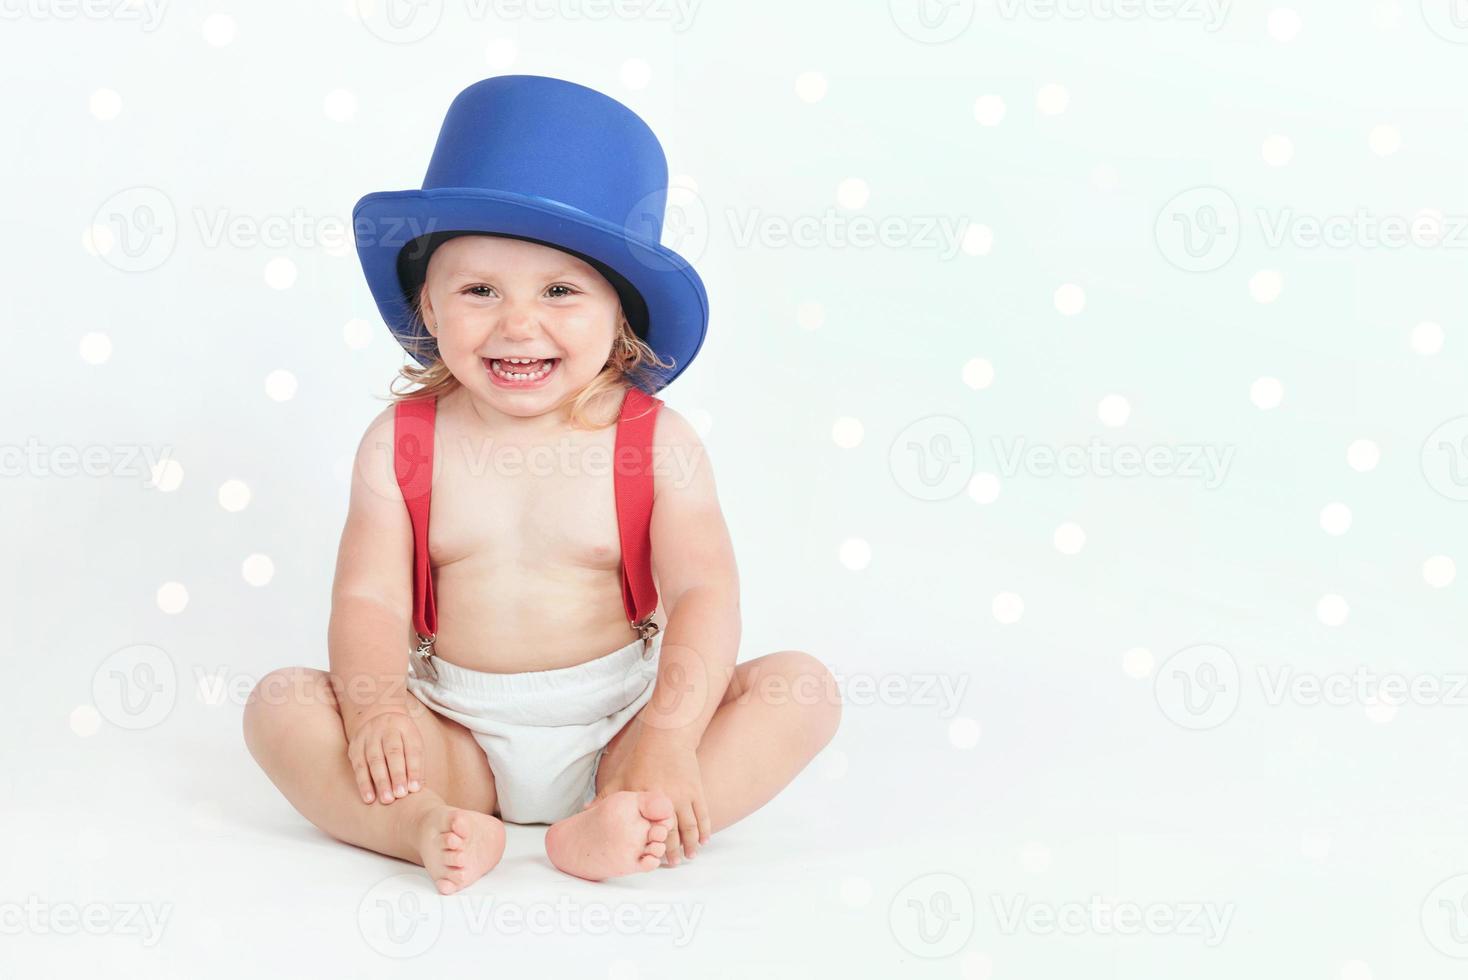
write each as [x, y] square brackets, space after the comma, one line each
[1284, 843]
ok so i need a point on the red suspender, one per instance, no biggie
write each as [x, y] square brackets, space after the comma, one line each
[633, 487]
[413, 462]
[632, 465]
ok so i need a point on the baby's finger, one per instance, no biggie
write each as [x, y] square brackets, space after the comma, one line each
[413, 759]
[397, 770]
[377, 765]
[364, 779]
[705, 825]
[688, 830]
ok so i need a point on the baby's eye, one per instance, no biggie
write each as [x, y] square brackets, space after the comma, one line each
[472, 289]
[568, 289]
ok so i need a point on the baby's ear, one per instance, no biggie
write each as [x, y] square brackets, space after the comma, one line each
[430, 322]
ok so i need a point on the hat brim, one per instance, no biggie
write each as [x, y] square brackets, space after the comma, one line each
[384, 222]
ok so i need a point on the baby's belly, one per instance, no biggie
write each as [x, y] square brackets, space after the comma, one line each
[511, 621]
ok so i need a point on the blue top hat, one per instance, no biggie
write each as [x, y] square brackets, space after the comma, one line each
[549, 161]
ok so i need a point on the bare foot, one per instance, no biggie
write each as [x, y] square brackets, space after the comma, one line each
[622, 834]
[458, 846]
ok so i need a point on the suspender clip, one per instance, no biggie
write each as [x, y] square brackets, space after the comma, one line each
[646, 629]
[423, 664]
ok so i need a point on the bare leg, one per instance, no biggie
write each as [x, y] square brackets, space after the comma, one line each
[294, 730]
[777, 713]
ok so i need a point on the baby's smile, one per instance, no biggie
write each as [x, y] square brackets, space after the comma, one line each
[520, 372]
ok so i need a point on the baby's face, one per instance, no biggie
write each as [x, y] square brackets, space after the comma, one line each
[487, 299]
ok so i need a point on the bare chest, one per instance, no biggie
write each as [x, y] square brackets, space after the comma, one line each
[544, 508]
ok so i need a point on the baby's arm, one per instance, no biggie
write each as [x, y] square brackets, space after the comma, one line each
[371, 609]
[698, 583]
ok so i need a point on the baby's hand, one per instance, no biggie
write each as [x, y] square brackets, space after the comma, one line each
[670, 767]
[386, 751]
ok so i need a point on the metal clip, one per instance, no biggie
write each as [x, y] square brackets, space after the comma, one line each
[424, 663]
[646, 629]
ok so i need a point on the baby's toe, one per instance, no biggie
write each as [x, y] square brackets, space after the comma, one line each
[452, 841]
[658, 832]
[657, 849]
[647, 862]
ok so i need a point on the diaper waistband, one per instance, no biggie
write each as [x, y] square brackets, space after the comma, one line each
[609, 671]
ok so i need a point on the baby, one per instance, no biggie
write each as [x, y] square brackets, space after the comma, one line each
[557, 644]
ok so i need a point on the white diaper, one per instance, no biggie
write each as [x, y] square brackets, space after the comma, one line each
[544, 731]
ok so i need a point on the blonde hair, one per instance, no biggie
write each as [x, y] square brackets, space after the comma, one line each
[631, 362]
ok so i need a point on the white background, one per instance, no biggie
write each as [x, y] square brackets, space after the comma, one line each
[1080, 202]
